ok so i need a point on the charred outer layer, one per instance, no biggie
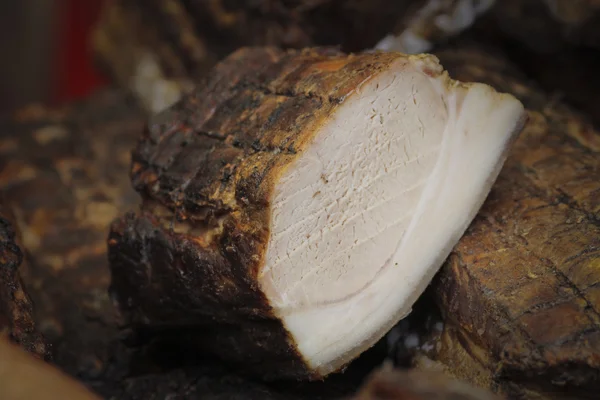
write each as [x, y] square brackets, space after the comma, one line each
[16, 310]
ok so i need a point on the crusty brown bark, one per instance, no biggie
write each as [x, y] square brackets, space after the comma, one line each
[206, 169]
[16, 309]
[394, 384]
[64, 173]
[522, 288]
[577, 68]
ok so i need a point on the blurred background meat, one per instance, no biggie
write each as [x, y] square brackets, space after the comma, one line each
[45, 50]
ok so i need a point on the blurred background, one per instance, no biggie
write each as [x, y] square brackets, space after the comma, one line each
[46, 51]
[158, 49]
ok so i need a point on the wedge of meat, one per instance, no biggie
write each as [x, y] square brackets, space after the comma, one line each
[520, 292]
[16, 310]
[296, 204]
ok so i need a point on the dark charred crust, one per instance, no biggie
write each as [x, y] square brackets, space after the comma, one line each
[16, 309]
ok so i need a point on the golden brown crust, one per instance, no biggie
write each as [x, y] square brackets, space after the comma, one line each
[522, 283]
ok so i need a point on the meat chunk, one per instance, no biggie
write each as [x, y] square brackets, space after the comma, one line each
[16, 311]
[520, 291]
[296, 204]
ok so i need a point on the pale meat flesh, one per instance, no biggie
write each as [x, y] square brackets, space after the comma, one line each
[363, 219]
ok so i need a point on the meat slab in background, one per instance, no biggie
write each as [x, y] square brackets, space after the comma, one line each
[543, 26]
[16, 310]
[64, 173]
[24, 377]
[520, 292]
[295, 205]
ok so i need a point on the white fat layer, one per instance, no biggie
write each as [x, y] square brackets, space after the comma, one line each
[365, 217]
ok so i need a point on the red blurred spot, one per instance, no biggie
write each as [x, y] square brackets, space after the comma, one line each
[77, 75]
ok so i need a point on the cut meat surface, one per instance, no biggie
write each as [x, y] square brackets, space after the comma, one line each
[303, 200]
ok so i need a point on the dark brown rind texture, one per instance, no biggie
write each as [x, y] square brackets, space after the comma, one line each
[520, 291]
[206, 168]
[16, 309]
[65, 176]
[62, 166]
